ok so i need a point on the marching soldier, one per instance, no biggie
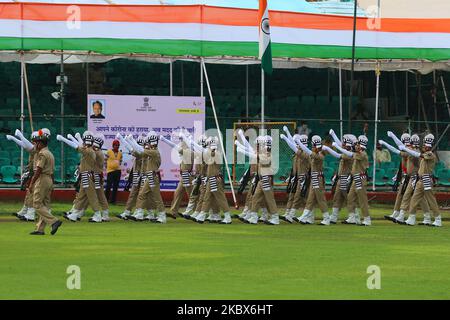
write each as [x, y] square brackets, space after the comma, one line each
[151, 188]
[292, 181]
[87, 166]
[406, 140]
[27, 213]
[41, 185]
[412, 167]
[424, 185]
[343, 176]
[214, 187]
[358, 192]
[185, 184]
[316, 194]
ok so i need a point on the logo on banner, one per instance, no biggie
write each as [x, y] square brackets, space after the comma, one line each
[146, 106]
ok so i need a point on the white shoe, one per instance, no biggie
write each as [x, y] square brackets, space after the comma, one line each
[334, 216]
[289, 218]
[351, 219]
[21, 212]
[326, 219]
[105, 216]
[138, 215]
[274, 219]
[200, 218]
[97, 217]
[357, 219]
[437, 222]
[189, 208]
[72, 217]
[367, 221]
[150, 216]
[124, 215]
[393, 216]
[30, 215]
[194, 215]
[426, 219]
[305, 215]
[253, 218]
[215, 218]
[401, 217]
[411, 221]
[264, 216]
[161, 217]
[226, 219]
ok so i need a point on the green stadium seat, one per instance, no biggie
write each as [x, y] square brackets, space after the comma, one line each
[4, 154]
[379, 177]
[5, 161]
[8, 173]
[444, 177]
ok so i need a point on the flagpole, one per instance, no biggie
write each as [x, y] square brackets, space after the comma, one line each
[262, 101]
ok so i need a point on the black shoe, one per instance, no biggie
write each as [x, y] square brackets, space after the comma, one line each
[180, 215]
[55, 227]
[389, 218]
[173, 216]
[132, 218]
[21, 218]
[37, 233]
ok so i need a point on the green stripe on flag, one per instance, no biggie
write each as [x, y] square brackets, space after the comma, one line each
[266, 60]
[217, 48]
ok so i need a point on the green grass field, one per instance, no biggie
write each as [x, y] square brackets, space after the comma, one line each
[185, 260]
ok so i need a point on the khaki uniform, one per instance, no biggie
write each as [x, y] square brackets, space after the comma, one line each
[340, 194]
[150, 191]
[358, 191]
[412, 168]
[87, 193]
[398, 200]
[424, 186]
[214, 188]
[43, 188]
[316, 194]
[291, 194]
[185, 184]
[264, 190]
[137, 176]
[98, 170]
[303, 167]
[249, 197]
[28, 202]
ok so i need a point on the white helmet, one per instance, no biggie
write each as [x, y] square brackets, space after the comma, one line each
[268, 141]
[296, 138]
[316, 141]
[152, 138]
[415, 140]
[99, 140]
[202, 140]
[88, 138]
[213, 142]
[34, 136]
[347, 140]
[428, 141]
[362, 140]
[141, 139]
[304, 139]
[405, 138]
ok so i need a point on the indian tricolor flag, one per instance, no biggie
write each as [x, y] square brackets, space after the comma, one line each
[265, 52]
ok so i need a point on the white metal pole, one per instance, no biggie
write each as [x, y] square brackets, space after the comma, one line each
[220, 133]
[22, 116]
[377, 71]
[340, 102]
[171, 78]
[201, 79]
[262, 102]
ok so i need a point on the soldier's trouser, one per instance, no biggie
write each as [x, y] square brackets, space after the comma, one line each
[407, 200]
[339, 198]
[249, 196]
[28, 201]
[87, 195]
[399, 198]
[260, 197]
[178, 195]
[41, 201]
[152, 194]
[290, 201]
[102, 202]
[132, 197]
[358, 197]
[217, 197]
[421, 194]
[299, 201]
[316, 197]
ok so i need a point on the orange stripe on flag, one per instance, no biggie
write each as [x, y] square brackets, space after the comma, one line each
[213, 15]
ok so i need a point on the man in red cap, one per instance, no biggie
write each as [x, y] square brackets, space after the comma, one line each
[113, 170]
